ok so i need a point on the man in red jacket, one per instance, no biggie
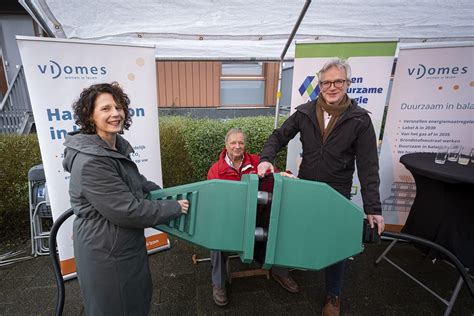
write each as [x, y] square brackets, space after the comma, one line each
[232, 164]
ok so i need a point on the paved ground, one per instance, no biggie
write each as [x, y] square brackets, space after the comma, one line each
[181, 288]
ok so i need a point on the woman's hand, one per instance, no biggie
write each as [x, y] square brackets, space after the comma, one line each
[184, 206]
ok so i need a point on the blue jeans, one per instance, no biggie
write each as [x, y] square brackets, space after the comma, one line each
[334, 278]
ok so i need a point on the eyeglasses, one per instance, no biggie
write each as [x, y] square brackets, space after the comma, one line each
[337, 84]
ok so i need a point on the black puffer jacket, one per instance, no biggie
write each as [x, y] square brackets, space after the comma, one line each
[352, 137]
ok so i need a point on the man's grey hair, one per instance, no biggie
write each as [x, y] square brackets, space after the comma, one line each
[234, 131]
[338, 63]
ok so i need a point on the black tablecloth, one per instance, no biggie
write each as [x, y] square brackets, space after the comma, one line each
[443, 210]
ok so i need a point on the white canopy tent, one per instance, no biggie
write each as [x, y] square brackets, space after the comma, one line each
[251, 29]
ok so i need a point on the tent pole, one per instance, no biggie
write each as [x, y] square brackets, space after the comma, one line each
[282, 57]
[278, 96]
[38, 18]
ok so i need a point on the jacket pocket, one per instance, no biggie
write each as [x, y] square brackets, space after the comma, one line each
[115, 240]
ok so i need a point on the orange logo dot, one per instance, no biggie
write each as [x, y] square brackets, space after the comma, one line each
[140, 62]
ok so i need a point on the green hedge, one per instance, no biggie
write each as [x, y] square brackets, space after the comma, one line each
[205, 140]
[197, 143]
[17, 155]
[175, 161]
[188, 149]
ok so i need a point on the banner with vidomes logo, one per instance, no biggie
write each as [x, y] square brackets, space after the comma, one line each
[431, 105]
[56, 71]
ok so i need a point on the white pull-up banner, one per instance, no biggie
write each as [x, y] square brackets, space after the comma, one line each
[371, 64]
[56, 72]
[431, 105]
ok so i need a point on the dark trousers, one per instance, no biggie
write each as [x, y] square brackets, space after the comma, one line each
[334, 276]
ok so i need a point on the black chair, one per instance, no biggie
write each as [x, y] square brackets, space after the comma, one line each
[40, 211]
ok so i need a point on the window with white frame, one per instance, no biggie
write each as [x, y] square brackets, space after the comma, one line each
[242, 84]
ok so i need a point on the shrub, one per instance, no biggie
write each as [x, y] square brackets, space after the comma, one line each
[257, 130]
[188, 149]
[204, 140]
[17, 155]
[175, 162]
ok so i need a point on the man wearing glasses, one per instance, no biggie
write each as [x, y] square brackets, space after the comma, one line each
[335, 134]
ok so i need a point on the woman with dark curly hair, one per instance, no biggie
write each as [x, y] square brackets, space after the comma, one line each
[108, 196]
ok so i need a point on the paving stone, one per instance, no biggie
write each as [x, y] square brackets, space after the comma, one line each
[176, 308]
[300, 309]
[179, 263]
[182, 288]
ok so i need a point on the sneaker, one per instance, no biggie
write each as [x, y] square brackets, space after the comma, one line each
[219, 295]
[287, 283]
[332, 306]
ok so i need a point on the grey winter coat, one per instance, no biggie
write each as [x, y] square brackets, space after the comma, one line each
[108, 196]
[351, 141]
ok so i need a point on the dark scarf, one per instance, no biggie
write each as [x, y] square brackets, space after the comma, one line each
[334, 111]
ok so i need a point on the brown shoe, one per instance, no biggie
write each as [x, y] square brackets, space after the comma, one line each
[287, 283]
[219, 295]
[332, 306]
